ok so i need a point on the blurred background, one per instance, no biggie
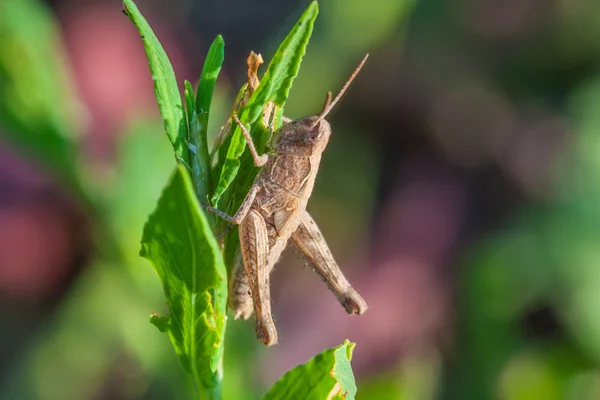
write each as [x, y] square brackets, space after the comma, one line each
[460, 193]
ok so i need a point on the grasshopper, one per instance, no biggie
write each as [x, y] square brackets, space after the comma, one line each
[274, 210]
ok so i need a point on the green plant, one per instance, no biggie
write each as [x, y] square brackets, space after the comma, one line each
[179, 240]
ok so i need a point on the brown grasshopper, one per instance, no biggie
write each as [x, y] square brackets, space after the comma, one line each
[274, 211]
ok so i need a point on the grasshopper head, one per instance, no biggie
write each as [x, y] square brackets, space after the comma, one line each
[303, 137]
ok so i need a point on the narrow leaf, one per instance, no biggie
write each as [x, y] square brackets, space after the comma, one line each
[283, 68]
[165, 83]
[190, 102]
[274, 87]
[200, 164]
[326, 376]
[179, 244]
[210, 72]
[201, 168]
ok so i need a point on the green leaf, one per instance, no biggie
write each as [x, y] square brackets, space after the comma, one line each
[190, 102]
[38, 111]
[200, 163]
[210, 72]
[274, 87]
[201, 168]
[326, 376]
[283, 68]
[179, 244]
[165, 83]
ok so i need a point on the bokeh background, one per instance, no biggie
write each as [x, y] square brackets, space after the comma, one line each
[460, 193]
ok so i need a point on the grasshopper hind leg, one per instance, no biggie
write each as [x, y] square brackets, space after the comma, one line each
[310, 241]
[254, 242]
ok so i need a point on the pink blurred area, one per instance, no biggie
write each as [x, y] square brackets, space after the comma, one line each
[110, 69]
[113, 81]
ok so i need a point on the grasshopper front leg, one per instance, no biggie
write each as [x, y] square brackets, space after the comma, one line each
[310, 241]
[259, 160]
[241, 213]
[254, 243]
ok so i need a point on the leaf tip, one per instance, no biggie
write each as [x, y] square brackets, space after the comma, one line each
[349, 348]
[126, 6]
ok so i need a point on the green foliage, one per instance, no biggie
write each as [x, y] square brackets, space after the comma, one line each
[179, 243]
[165, 83]
[326, 376]
[30, 115]
[274, 87]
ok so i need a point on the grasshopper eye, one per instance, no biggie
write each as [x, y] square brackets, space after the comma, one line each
[312, 136]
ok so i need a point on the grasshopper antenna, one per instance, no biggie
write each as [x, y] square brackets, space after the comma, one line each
[330, 104]
[327, 100]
